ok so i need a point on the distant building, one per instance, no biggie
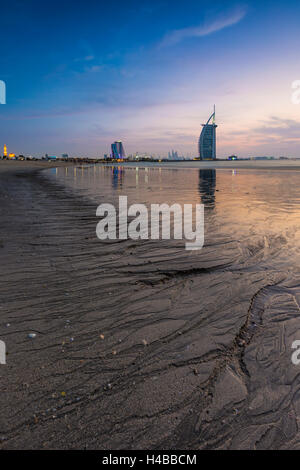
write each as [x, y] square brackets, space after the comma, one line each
[174, 156]
[65, 155]
[51, 157]
[207, 140]
[117, 150]
[232, 157]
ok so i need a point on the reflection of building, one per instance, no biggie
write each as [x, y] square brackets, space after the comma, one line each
[117, 150]
[207, 186]
[207, 140]
[117, 177]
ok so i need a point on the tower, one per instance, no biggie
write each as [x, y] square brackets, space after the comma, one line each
[207, 139]
[5, 151]
[117, 150]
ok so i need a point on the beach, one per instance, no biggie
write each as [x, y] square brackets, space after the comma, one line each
[139, 344]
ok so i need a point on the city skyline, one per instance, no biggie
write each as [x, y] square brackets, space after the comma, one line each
[80, 81]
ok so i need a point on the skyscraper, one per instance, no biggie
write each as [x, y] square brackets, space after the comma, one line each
[117, 150]
[207, 140]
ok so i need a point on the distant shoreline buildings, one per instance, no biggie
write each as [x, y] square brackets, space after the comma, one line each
[206, 151]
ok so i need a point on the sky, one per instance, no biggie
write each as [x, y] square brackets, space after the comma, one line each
[80, 75]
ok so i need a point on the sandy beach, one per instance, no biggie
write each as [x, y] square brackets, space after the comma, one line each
[130, 352]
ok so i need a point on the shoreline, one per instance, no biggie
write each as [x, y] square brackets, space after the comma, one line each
[12, 167]
[225, 165]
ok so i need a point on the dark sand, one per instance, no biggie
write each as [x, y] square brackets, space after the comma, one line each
[174, 369]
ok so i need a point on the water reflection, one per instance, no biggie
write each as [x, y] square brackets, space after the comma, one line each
[207, 186]
[117, 174]
[253, 207]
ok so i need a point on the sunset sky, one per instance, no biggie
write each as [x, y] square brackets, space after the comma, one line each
[82, 74]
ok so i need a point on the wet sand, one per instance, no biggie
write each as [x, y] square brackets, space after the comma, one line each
[131, 352]
[27, 166]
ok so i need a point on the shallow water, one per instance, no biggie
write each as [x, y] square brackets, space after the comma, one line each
[255, 209]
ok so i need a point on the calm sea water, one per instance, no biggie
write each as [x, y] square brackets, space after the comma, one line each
[258, 210]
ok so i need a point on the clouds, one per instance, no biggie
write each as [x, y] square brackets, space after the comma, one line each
[283, 129]
[141, 72]
[86, 58]
[178, 35]
[275, 136]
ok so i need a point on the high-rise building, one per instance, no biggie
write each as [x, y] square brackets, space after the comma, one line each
[5, 151]
[173, 155]
[207, 140]
[117, 150]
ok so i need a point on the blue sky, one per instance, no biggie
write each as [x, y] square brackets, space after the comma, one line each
[82, 74]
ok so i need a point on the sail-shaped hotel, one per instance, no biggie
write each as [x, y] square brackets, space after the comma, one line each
[207, 140]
